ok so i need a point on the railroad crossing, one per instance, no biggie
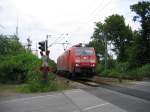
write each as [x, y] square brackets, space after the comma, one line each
[85, 99]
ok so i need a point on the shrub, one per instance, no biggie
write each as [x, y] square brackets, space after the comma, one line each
[145, 70]
[111, 63]
[135, 74]
[122, 67]
[9, 45]
[139, 73]
[36, 83]
[105, 73]
[15, 60]
[114, 73]
[99, 68]
[13, 69]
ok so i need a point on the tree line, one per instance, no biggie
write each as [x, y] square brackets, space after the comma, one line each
[131, 48]
[20, 66]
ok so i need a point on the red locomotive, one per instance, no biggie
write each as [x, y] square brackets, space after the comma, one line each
[77, 61]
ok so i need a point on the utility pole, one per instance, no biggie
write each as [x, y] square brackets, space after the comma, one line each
[47, 36]
[63, 44]
[105, 41]
[36, 49]
[29, 43]
[17, 27]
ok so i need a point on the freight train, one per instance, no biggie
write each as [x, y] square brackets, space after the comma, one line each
[77, 61]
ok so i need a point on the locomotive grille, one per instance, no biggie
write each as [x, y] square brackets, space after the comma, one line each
[85, 60]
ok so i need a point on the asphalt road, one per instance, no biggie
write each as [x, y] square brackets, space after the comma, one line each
[133, 98]
[89, 99]
[68, 101]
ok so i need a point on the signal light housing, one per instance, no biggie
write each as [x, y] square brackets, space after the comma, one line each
[43, 46]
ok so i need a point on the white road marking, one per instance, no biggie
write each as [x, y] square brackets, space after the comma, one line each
[35, 97]
[74, 90]
[76, 111]
[96, 106]
[92, 107]
[56, 95]
[29, 98]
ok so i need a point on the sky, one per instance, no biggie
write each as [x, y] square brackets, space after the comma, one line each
[69, 20]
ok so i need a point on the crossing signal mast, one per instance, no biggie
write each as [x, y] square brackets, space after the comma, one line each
[43, 46]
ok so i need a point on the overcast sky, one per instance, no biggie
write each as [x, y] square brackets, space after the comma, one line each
[37, 18]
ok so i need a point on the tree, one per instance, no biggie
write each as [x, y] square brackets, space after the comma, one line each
[98, 40]
[9, 45]
[142, 9]
[117, 33]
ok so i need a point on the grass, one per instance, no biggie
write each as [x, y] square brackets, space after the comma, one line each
[10, 88]
[27, 88]
[41, 88]
[36, 86]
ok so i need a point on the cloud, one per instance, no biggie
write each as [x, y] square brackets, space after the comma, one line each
[37, 18]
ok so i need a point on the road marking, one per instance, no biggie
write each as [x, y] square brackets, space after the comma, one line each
[35, 97]
[76, 111]
[29, 98]
[74, 90]
[96, 106]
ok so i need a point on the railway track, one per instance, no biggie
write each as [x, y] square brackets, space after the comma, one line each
[85, 81]
[88, 82]
[92, 82]
[121, 89]
[117, 88]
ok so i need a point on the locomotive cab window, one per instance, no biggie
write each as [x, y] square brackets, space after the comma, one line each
[84, 52]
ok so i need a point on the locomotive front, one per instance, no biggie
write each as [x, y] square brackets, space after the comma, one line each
[85, 60]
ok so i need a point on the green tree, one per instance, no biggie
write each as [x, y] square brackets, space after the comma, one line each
[9, 45]
[117, 33]
[141, 51]
[98, 40]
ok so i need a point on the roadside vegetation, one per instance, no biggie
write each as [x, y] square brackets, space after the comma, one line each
[131, 48]
[18, 66]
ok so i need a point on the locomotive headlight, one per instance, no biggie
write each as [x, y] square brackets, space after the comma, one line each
[93, 65]
[92, 61]
[77, 65]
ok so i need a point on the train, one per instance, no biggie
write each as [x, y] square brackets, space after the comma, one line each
[77, 61]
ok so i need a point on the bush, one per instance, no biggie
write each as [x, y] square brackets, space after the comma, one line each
[9, 45]
[135, 74]
[19, 65]
[16, 61]
[115, 70]
[13, 69]
[145, 70]
[122, 67]
[53, 65]
[114, 73]
[105, 73]
[111, 63]
[36, 83]
[99, 68]
[140, 73]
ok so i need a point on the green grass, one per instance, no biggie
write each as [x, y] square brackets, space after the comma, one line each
[10, 88]
[121, 71]
[26, 88]
[36, 87]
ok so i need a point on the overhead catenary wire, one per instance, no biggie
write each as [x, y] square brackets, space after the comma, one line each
[59, 37]
[104, 6]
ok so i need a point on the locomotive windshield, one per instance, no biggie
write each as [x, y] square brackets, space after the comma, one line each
[84, 52]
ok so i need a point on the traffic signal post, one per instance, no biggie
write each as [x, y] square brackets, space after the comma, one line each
[43, 46]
